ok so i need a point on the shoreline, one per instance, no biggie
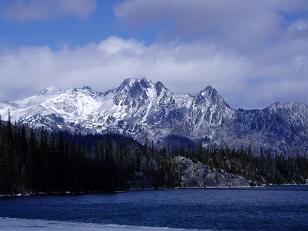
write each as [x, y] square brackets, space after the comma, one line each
[25, 224]
[139, 190]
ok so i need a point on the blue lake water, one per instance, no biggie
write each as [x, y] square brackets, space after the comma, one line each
[268, 208]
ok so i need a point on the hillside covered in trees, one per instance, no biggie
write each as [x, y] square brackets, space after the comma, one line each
[37, 161]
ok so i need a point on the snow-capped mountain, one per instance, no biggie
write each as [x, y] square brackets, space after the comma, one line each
[145, 110]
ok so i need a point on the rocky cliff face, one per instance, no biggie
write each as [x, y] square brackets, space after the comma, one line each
[196, 174]
[142, 109]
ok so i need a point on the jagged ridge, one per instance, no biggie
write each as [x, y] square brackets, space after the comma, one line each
[142, 109]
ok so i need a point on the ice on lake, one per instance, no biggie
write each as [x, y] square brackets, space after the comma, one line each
[17, 224]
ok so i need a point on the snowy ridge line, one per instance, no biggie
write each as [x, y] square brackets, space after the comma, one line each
[148, 111]
[21, 224]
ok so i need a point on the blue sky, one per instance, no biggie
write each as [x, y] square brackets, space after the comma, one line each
[57, 31]
[253, 52]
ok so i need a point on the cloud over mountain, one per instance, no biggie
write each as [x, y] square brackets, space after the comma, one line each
[278, 73]
[256, 49]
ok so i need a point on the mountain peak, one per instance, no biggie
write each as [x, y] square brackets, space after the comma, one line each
[210, 94]
[87, 88]
[209, 91]
[143, 109]
[160, 87]
[49, 90]
[134, 88]
[134, 83]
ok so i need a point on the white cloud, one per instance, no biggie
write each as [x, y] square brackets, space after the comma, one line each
[239, 24]
[279, 73]
[22, 10]
[248, 50]
[260, 47]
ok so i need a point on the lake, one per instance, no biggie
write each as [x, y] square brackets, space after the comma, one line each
[266, 208]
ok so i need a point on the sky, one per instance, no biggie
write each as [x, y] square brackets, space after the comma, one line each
[253, 52]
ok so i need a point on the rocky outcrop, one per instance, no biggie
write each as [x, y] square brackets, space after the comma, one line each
[148, 111]
[196, 174]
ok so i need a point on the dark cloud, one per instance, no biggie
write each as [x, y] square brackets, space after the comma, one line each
[23, 10]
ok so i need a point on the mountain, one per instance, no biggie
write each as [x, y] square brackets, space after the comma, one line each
[144, 110]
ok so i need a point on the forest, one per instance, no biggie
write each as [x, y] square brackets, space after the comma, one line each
[38, 161]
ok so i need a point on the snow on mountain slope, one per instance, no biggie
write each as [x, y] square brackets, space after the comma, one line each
[144, 110]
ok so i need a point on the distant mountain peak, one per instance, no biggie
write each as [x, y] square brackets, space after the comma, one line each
[143, 109]
[144, 88]
[49, 90]
[130, 82]
[209, 91]
[160, 87]
[210, 94]
[87, 88]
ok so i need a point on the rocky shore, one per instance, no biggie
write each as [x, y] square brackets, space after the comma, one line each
[196, 174]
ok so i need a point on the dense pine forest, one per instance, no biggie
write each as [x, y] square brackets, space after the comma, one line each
[33, 161]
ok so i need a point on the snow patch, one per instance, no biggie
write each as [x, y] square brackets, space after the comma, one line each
[18, 224]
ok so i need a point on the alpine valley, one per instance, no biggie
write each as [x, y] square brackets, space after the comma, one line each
[148, 111]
